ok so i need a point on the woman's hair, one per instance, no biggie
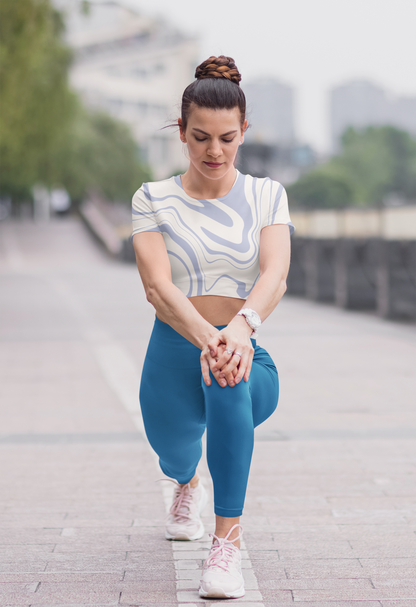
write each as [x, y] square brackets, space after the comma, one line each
[216, 87]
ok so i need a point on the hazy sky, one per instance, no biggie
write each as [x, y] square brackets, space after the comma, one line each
[309, 44]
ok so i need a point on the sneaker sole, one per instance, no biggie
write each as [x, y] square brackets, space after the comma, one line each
[184, 537]
[218, 593]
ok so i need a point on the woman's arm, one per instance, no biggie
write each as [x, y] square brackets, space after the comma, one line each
[171, 305]
[269, 289]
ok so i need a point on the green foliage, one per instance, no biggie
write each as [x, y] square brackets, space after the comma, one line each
[318, 190]
[46, 136]
[99, 153]
[373, 163]
[36, 102]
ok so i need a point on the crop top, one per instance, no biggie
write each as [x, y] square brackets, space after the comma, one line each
[213, 245]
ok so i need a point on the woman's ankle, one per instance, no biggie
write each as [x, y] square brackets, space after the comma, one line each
[223, 526]
[193, 482]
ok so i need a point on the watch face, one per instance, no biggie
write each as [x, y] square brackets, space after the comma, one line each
[253, 318]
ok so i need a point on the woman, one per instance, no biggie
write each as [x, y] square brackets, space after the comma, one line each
[212, 248]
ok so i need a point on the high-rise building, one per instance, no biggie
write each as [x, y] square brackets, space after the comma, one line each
[402, 113]
[270, 112]
[360, 104]
[136, 68]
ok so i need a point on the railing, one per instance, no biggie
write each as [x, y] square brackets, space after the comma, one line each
[358, 259]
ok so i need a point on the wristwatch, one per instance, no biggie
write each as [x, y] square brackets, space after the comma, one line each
[252, 319]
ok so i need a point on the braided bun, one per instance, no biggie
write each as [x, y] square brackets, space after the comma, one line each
[214, 89]
[218, 67]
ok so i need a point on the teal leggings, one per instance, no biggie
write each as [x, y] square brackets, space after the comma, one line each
[177, 406]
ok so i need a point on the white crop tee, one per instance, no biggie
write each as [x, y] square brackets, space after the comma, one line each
[213, 245]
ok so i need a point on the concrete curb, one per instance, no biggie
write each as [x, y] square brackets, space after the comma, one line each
[115, 237]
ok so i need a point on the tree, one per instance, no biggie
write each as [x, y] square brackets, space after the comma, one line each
[100, 154]
[46, 136]
[36, 103]
[318, 190]
[373, 163]
[380, 161]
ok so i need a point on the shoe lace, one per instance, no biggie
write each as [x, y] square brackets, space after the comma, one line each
[222, 553]
[181, 506]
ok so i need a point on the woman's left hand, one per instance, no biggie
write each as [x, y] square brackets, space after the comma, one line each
[232, 353]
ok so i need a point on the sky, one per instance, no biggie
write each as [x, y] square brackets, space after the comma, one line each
[311, 45]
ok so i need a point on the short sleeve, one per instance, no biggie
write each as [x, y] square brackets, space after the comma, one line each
[279, 209]
[143, 216]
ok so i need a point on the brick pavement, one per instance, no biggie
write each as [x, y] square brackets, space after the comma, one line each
[330, 515]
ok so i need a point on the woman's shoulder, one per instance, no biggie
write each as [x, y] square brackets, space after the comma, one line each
[262, 185]
[150, 189]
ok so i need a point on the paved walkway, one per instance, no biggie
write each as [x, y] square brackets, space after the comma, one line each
[330, 515]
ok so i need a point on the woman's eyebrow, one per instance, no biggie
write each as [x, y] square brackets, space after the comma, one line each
[208, 135]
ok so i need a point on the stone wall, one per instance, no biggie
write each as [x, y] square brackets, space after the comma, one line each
[357, 259]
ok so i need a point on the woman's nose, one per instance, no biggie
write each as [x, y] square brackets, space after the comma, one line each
[215, 149]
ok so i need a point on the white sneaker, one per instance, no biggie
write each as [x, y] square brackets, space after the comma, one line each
[184, 522]
[222, 577]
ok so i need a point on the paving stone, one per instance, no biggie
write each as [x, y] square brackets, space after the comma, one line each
[318, 584]
[410, 582]
[188, 565]
[22, 566]
[17, 591]
[55, 577]
[150, 574]
[81, 592]
[193, 596]
[155, 596]
[299, 549]
[75, 562]
[375, 564]
[358, 603]
[354, 595]
[325, 568]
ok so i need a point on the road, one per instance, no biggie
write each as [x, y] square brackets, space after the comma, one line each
[330, 516]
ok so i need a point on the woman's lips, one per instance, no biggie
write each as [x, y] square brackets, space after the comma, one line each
[213, 165]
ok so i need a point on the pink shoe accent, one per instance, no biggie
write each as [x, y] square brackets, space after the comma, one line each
[184, 521]
[222, 577]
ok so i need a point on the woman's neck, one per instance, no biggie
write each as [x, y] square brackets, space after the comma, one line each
[197, 185]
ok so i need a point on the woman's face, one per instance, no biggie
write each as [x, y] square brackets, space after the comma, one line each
[213, 137]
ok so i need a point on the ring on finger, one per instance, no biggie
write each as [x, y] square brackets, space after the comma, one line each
[229, 351]
[238, 354]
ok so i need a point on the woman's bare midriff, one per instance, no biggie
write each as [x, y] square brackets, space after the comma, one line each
[215, 309]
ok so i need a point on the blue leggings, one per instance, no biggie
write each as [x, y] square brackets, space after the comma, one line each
[177, 406]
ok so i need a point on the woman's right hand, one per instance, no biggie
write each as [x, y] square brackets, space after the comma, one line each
[208, 362]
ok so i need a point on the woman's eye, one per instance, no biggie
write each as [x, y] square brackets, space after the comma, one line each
[228, 140]
[204, 139]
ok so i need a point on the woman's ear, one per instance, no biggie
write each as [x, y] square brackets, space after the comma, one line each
[243, 130]
[181, 133]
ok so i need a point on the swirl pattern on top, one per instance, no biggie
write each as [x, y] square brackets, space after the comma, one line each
[213, 245]
[218, 67]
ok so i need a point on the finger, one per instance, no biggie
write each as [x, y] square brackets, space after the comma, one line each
[229, 378]
[205, 371]
[213, 345]
[245, 362]
[232, 364]
[248, 368]
[221, 380]
[225, 358]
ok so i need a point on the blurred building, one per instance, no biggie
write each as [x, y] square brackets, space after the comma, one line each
[135, 68]
[270, 107]
[284, 163]
[360, 104]
[270, 147]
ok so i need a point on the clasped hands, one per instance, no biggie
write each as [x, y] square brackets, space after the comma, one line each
[221, 356]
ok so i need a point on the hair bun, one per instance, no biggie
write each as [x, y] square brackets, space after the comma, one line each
[218, 67]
